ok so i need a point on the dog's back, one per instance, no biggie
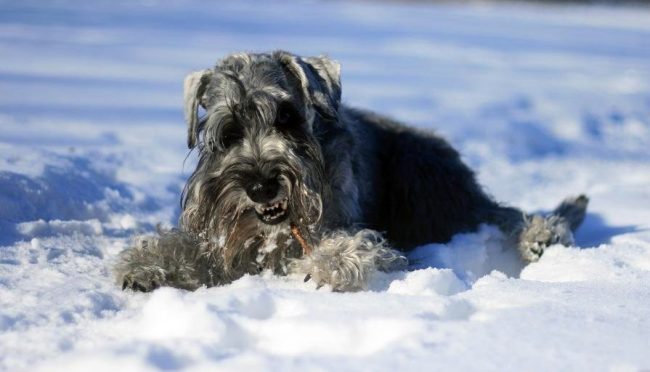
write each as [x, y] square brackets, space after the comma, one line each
[407, 165]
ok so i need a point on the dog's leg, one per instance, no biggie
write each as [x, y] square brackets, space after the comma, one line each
[347, 260]
[531, 234]
[539, 232]
[171, 258]
[572, 210]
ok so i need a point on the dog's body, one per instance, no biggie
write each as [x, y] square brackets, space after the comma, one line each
[277, 148]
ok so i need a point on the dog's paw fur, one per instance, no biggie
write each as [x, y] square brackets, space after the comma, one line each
[143, 279]
[169, 258]
[540, 233]
[346, 262]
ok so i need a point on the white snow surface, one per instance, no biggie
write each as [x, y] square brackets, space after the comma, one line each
[543, 101]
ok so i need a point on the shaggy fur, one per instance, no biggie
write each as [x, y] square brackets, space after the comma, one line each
[276, 146]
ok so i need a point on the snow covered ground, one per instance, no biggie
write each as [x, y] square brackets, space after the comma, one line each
[542, 101]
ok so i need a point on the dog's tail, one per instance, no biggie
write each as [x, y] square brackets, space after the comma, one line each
[572, 211]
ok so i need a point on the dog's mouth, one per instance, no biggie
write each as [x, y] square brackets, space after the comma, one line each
[272, 213]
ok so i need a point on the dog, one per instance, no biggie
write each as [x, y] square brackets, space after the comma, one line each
[278, 151]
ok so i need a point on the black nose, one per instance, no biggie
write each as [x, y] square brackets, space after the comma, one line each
[263, 191]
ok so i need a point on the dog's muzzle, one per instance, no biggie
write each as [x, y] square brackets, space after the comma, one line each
[270, 200]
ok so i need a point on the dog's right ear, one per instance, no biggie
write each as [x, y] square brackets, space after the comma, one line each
[193, 89]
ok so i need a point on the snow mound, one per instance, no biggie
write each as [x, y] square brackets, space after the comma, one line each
[543, 101]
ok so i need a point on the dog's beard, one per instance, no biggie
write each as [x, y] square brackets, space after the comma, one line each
[250, 244]
[221, 212]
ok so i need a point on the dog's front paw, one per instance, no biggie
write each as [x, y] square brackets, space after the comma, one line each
[330, 270]
[144, 279]
[346, 261]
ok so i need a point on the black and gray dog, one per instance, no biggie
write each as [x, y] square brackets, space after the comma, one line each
[278, 150]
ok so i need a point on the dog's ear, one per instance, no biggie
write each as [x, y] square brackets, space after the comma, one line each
[193, 89]
[329, 71]
[320, 80]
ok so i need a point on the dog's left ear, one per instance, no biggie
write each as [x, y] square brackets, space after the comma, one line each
[193, 89]
[329, 71]
[320, 79]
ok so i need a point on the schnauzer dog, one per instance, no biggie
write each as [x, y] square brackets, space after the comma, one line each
[279, 152]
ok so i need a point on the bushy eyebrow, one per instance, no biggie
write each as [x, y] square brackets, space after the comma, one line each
[288, 105]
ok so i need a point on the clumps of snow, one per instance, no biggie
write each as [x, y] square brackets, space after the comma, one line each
[428, 282]
[269, 246]
[618, 263]
[127, 222]
[58, 227]
[363, 337]
[170, 315]
[471, 256]
[70, 195]
[92, 149]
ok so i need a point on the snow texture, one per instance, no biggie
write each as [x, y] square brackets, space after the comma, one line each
[543, 101]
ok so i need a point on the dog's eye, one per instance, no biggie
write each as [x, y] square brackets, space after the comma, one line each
[230, 136]
[287, 117]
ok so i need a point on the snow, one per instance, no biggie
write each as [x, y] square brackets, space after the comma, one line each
[543, 101]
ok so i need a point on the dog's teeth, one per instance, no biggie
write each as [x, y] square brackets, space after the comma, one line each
[272, 212]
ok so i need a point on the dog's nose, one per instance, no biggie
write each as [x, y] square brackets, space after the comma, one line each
[263, 191]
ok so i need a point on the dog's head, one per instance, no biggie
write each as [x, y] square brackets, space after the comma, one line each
[260, 160]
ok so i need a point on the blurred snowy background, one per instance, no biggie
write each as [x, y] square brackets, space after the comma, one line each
[542, 100]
